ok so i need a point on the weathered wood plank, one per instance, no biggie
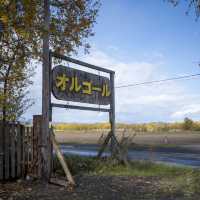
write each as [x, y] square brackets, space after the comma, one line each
[1, 151]
[104, 145]
[18, 149]
[61, 158]
[37, 132]
[112, 112]
[78, 62]
[13, 149]
[23, 151]
[7, 151]
[45, 148]
[80, 107]
[29, 150]
[121, 157]
[70, 84]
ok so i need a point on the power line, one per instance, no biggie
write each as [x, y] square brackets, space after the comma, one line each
[158, 81]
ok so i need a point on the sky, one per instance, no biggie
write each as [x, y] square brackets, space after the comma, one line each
[142, 41]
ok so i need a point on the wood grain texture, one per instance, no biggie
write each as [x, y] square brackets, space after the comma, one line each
[37, 132]
[61, 158]
[1, 151]
[97, 83]
[46, 151]
[13, 150]
[18, 150]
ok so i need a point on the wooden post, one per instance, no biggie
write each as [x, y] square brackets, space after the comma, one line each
[61, 159]
[7, 152]
[23, 151]
[46, 147]
[1, 151]
[37, 143]
[18, 150]
[112, 111]
[13, 130]
[103, 147]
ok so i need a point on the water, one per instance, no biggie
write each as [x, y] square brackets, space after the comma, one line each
[168, 156]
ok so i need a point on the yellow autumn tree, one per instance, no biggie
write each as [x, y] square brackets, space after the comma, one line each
[21, 33]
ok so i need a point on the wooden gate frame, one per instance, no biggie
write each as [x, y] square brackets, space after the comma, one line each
[111, 110]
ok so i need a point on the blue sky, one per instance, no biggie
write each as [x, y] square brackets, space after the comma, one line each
[142, 41]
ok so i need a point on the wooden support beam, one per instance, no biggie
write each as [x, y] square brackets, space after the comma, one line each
[117, 149]
[80, 107]
[78, 62]
[61, 159]
[104, 145]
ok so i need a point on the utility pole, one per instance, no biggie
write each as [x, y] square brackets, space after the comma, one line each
[45, 147]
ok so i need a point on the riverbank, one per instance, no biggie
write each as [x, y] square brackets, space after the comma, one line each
[170, 155]
[168, 139]
[106, 179]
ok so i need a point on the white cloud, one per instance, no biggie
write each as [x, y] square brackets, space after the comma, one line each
[187, 111]
[157, 102]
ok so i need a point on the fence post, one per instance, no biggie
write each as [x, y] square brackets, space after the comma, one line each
[37, 144]
[13, 149]
[7, 151]
[23, 149]
[45, 165]
[18, 150]
[1, 151]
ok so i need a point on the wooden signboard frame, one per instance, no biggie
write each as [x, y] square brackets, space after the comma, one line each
[110, 110]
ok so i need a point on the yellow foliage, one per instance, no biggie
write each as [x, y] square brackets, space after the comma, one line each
[146, 127]
[4, 19]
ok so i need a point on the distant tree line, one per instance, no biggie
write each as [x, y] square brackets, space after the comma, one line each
[188, 125]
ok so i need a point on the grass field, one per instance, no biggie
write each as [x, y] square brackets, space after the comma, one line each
[107, 179]
[175, 181]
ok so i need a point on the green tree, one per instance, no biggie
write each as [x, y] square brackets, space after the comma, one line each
[188, 124]
[21, 36]
[14, 76]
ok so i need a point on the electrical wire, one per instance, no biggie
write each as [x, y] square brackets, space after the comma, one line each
[158, 81]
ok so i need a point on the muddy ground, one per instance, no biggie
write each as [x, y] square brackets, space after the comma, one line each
[97, 187]
[94, 188]
[164, 138]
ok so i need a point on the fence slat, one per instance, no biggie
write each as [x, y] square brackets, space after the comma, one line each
[22, 151]
[13, 149]
[16, 151]
[25, 150]
[37, 129]
[1, 151]
[7, 151]
[18, 128]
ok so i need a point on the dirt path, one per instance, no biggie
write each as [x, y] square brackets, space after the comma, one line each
[94, 188]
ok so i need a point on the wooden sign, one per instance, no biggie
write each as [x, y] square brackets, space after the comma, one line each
[70, 84]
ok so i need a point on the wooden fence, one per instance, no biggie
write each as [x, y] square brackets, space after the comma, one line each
[16, 144]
